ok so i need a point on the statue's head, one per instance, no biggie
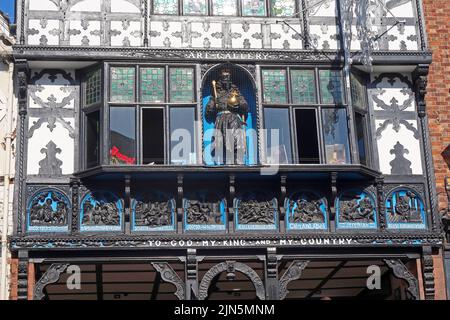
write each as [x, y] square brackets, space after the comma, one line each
[225, 78]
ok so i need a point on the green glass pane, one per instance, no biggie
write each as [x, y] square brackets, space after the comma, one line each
[331, 87]
[283, 8]
[165, 6]
[253, 7]
[274, 86]
[197, 7]
[152, 85]
[122, 84]
[93, 88]
[182, 85]
[303, 86]
[224, 7]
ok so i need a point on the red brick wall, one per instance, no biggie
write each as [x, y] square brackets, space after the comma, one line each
[437, 21]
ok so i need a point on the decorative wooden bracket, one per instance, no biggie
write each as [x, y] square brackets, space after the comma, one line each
[401, 272]
[169, 275]
[50, 276]
[294, 272]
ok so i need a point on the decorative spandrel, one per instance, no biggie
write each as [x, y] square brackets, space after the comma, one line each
[195, 7]
[303, 84]
[283, 8]
[274, 86]
[306, 211]
[224, 7]
[256, 211]
[182, 85]
[48, 211]
[204, 211]
[331, 87]
[355, 210]
[153, 212]
[405, 210]
[152, 85]
[165, 7]
[101, 211]
[122, 84]
[93, 88]
[253, 8]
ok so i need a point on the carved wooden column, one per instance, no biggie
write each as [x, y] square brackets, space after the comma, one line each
[180, 212]
[380, 203]
[272, 290]
[127, 219]
[428, 273]
[22, 83]
[191, 275]
[22, 276]
[75, 186]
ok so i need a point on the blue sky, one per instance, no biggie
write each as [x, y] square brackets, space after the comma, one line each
[7, 6]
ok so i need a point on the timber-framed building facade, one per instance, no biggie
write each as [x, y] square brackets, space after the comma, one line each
[117, 169]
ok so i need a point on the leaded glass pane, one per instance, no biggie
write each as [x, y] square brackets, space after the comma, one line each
[93, 87]
[303, 86]
[182, 85]
[253, 7]
[331, 86]
[283, 8]
[274, 86]
[335, 132]
[165, 6]
[152, 85]
[197, 7]
[358, 92]
[122, 84]
[224, 7]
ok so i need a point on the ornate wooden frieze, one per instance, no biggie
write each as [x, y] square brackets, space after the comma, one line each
[405, 209]
[205, 210]
[169, 275]
[153, 212]
[294, 272]
[230, 267]
[50, 276]
[306, 210]
[356, 209]
[256, 211]
[101, 211]
[401, 272]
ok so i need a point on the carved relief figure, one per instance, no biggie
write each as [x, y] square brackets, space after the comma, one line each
[357, 210]
[100, 212]
[48, 209]
[199, 212]
[256, 212]
[228, 109]
[405, 209]
[153, 214]
[307, 211]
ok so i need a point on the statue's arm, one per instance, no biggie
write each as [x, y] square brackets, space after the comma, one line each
[211, 110]
[243, 105]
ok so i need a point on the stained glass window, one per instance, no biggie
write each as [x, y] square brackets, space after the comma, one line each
[253, 7]
[274, 86]
[282, 8]
[197, 7]
[122, 84]
[181, 85]
[331, 86]
[165, 6]
[152, 85]
[93, 87]
[303, 86]
[224, 7]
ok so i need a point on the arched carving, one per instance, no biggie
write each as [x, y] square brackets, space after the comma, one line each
[50, 276]
[231, 267]
[169, 275]
[294, 272]
[401, 272]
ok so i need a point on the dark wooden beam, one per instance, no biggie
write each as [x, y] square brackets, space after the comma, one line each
[99, 280]
[156, 285]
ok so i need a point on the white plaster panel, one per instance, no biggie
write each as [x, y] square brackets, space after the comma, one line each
[126, 33]
[53, 91]
[211, 35]
[405, 38]
[325, 35]
[405, 10]
[44, 32]
[41, 137]
[161, 34]
[250, 36]
[89, 33]
[406, 137]
[88, 6]
[43, 5]
[320, 8]
[285, 38]
[124, 6]
[387, 91]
